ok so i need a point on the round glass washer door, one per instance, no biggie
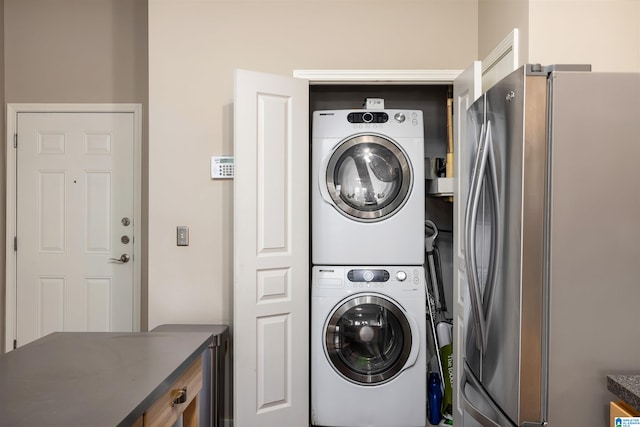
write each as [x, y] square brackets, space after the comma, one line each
[368, 339]
[368, 177]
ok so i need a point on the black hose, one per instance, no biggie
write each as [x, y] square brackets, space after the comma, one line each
[438, 265]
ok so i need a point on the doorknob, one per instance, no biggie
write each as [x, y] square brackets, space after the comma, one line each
[124, 258]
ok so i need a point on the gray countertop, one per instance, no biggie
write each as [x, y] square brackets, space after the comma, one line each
[92, 379]
[627, 388]
[220, 332]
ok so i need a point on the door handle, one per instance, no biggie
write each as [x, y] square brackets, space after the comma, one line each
[476, 413]
[496, 226]
[180, 397]
[124, 258]
[471, 212]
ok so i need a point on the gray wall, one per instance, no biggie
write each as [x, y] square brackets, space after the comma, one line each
[194, 47]
[603, 33]
[74, 51]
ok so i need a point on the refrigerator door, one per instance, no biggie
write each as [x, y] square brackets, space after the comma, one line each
[506, 232]
[502, 300]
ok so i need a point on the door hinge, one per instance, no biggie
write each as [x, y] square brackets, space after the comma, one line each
[15, 344]
[15, 140]
[15, 243]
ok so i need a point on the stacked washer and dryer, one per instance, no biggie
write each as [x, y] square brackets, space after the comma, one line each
[368, 316]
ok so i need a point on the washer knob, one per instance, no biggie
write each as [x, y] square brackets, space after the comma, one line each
[401, 276]
[367, 276]
[399, 117]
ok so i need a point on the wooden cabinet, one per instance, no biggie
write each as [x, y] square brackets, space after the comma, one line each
[620, 409]
[180, 400]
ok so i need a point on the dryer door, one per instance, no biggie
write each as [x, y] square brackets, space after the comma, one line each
[368, 177]
[368, 339]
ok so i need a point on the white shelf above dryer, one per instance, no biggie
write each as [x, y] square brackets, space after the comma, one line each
[440, 187]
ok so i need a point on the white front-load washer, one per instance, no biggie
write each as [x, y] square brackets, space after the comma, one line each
[368, 346]
[367, 179]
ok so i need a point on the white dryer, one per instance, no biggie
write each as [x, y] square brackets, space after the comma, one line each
[368, 346]
[367, 179]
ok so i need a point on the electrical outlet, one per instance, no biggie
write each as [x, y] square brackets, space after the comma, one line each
[183, 235]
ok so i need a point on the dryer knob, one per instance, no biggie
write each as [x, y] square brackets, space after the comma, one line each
[368, 276]
[401, 276]
[399, 117]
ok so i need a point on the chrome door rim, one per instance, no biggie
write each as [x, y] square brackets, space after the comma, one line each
[332, 353]
[387, 210]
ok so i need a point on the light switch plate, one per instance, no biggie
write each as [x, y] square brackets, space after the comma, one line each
[183, 235]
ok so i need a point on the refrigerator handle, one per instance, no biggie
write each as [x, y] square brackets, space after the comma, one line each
[496, 227]
[477, 414]
[471, 216]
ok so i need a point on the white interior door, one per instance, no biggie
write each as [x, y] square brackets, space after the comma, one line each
[271, 251]
[466, 89]
[74, 223]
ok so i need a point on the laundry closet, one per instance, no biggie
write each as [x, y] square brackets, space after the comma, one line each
[374, 228]
[273, 118]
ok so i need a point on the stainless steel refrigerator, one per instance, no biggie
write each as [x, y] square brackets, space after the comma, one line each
[552, 246]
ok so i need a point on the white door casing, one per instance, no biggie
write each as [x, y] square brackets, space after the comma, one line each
[466, 89]
[73, 176]
[271, 251]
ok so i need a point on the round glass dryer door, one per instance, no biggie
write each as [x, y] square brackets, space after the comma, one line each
[368, 178]
[368, 339]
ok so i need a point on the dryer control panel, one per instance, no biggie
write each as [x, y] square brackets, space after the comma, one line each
[366, 275]
[368, 117]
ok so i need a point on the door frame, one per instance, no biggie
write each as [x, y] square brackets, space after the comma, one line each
[13, 109]
[368, 77]
[379, 77]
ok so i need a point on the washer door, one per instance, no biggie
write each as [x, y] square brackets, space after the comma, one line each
[368, 177]
[368, 339]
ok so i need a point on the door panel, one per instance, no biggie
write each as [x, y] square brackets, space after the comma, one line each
[466, 89]
[501, 367]
[74, 176]
[271, 251]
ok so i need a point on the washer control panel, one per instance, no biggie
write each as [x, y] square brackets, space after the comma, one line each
[363, 277]
[381, 278]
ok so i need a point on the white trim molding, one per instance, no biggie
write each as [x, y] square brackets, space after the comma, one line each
[378, 76]
[11, 229]
[505, 47]
[501, 61]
